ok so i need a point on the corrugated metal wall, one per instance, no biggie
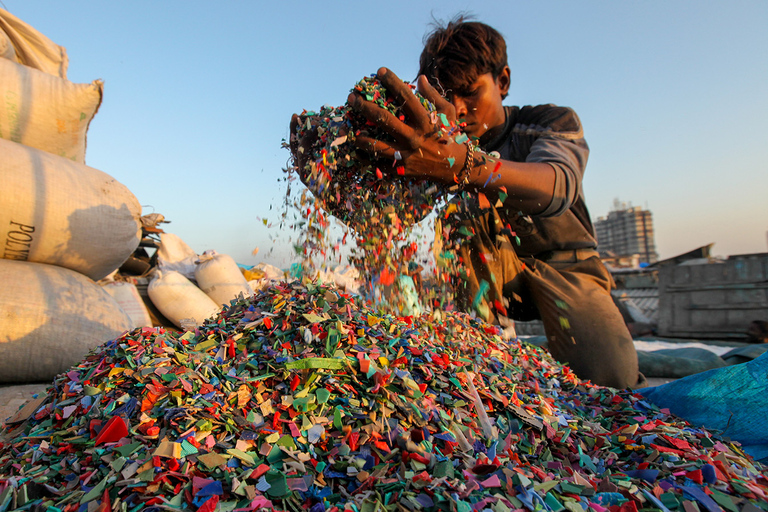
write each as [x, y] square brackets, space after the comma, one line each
[713, 300]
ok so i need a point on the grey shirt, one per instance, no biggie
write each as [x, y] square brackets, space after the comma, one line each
[552, 135]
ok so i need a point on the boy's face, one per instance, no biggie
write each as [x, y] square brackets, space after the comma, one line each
[479, 103]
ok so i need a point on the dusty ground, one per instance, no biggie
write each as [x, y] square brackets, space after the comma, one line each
[13, 397]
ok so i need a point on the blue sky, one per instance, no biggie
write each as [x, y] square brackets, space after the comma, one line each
[198, 96]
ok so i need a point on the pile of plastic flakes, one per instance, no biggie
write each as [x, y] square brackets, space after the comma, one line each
[303, 398]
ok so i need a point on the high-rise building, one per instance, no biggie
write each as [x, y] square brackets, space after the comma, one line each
[626, 231]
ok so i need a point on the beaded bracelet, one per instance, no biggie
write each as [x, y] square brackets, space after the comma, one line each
[462, 178]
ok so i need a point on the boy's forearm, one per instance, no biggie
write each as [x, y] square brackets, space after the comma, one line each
[523, 186]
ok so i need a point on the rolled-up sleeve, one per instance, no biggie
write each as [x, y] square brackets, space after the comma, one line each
[568, 157]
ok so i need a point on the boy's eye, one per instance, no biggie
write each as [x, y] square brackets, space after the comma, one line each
[463, 93]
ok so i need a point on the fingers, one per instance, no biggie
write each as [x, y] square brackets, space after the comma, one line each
[403, 96]
[382, 157]
[293, 139]
[390, 124]
[443, 105]
[301, 145]
[377, 149]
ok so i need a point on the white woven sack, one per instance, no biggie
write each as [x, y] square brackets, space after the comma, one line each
[220, 278]
[63, 213]
[50, 317]
[127, 296]
[6, 48]
[175, 254]
[45, 111]
[179, 299]
[32, 48]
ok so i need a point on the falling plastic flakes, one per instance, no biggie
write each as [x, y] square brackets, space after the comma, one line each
[379, 208]
[335, 407]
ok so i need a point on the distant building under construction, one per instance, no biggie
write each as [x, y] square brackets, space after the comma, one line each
[626, 235]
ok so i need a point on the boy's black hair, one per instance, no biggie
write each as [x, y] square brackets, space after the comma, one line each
[457, 53]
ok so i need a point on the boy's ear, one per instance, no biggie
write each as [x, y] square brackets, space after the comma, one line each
[503, 80]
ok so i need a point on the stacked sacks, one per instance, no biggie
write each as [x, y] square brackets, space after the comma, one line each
[180, 300]
[49, 318]
[63, 213]
[127, 295]
[187, 288]
[220, 278]
[41, 108]
[63, 224]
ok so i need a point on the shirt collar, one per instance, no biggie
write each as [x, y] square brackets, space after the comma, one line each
[493, 144]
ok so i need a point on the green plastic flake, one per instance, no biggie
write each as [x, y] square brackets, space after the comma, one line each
[204, 425]
[91, 391]
[305, 404]
[275, 455]
[463, 506]
[545, 487]
[118, 463]
[287, 442]
[206, 345]
[278, 484]
[177, 501]
[669, 500]
[95, 492]
[521, 480]
[322, 395]
[187, 448]
[324, 363]
[569, 488]
[443, 468]
[337, 418]
[128, 449]
[242, 456]
[553, 503]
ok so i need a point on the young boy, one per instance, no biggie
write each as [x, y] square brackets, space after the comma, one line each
[519, 225]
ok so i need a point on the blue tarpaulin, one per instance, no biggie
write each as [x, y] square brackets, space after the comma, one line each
[732, 400]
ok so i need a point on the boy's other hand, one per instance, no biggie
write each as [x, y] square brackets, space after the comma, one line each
[301, 147]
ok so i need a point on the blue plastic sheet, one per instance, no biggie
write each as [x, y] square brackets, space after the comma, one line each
[732, 400]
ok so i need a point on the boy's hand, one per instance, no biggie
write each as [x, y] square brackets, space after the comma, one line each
[423, 152]
[301, 148]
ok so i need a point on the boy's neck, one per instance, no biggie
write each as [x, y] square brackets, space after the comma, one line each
[492, 133]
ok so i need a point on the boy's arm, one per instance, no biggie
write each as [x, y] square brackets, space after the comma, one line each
[525, 186]
[425, 154]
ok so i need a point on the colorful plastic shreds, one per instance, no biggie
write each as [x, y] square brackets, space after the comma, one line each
[351, 188]
[377, 206]
[340, 407]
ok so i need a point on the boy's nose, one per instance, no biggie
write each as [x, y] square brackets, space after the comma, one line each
[460, 105]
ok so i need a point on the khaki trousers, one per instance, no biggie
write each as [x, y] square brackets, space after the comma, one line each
[570, 293]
